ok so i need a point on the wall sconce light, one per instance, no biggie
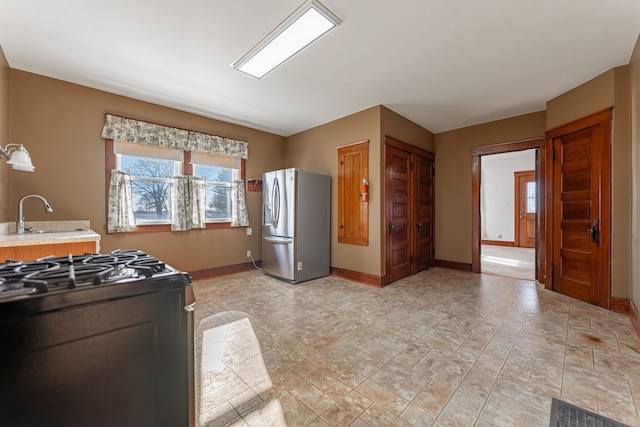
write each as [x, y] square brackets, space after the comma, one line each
[18, 156]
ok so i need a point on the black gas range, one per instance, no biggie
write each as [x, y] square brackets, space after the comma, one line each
[96, 339]
[51, 283]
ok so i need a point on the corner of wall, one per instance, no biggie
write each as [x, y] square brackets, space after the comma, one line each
[634, 90]
[590, 97]
[403, 129]
[5, 124]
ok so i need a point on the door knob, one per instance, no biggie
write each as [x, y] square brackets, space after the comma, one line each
[593, 231]
[391, 227]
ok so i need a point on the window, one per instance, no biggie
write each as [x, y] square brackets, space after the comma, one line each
[219, 171]
[531, 197]
[151, 168]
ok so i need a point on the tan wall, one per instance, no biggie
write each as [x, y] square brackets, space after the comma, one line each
[588, 98]
[634, 81]
[60, 123]
[401, 129]
[5, 176]
[609, 89]
[315, 150]
[453, 177]
[621, 187]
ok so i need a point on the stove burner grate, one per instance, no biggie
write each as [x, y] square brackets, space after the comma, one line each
[70, 276]
[58, 273]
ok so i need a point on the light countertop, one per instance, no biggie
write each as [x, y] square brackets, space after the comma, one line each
[55, 232]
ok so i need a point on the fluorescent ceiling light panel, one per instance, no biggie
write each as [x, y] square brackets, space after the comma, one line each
[308, 23]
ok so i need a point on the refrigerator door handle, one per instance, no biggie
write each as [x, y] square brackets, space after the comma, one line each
[271, 239]
[276, 202]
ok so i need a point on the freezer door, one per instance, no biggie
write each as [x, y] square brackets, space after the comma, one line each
[278, 203]
[278, 257]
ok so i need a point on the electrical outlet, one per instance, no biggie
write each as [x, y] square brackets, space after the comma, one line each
[249, 232]
[248, 254]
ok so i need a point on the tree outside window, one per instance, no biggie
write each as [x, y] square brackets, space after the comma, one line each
[218, 190]
[150, 186]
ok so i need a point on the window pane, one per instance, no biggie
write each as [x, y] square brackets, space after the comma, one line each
[213, 173]
[218, 203]
[151, 200]
[218, 190]
[149, 167]
[531, 197]
[150, 186]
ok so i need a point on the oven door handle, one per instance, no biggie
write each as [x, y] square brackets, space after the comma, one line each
[190, 299]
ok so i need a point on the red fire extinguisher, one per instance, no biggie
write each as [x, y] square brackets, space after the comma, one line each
[365, 190]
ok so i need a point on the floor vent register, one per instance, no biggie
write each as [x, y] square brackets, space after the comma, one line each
[564, 414]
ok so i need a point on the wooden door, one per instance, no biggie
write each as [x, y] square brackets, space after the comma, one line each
[409, 205]
[399, 215]
[353, 206]
[424, 212]
[581, 210]
[525, 209]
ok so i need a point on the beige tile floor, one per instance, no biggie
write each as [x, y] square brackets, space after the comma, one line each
[440, 348]
[508, 261]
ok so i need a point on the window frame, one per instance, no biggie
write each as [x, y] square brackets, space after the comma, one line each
[187, 169]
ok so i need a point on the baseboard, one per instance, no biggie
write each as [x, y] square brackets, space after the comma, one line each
[634, 315]
[357, 276]
[620, 305]
[222, 271]
[497, 243]
[628, 307]
[453, 265]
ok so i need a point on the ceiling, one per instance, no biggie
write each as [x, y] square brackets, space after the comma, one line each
[442, 64]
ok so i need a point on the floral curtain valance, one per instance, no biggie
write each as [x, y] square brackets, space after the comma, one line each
[116, 127]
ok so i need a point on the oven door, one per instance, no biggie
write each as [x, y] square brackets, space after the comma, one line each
[118, 362]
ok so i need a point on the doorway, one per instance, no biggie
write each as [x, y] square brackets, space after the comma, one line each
[508, 200]
[538, 147]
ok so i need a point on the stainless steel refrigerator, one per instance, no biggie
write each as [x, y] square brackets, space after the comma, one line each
[296, 217]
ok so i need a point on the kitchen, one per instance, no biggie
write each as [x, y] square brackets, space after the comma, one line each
[60, 122]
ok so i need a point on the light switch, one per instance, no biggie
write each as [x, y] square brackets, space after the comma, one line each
[249, 231]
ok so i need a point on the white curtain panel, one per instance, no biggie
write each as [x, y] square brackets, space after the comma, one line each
[120, 216]
[188, 203]
[239, 215]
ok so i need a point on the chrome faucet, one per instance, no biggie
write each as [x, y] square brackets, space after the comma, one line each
[20, 224]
